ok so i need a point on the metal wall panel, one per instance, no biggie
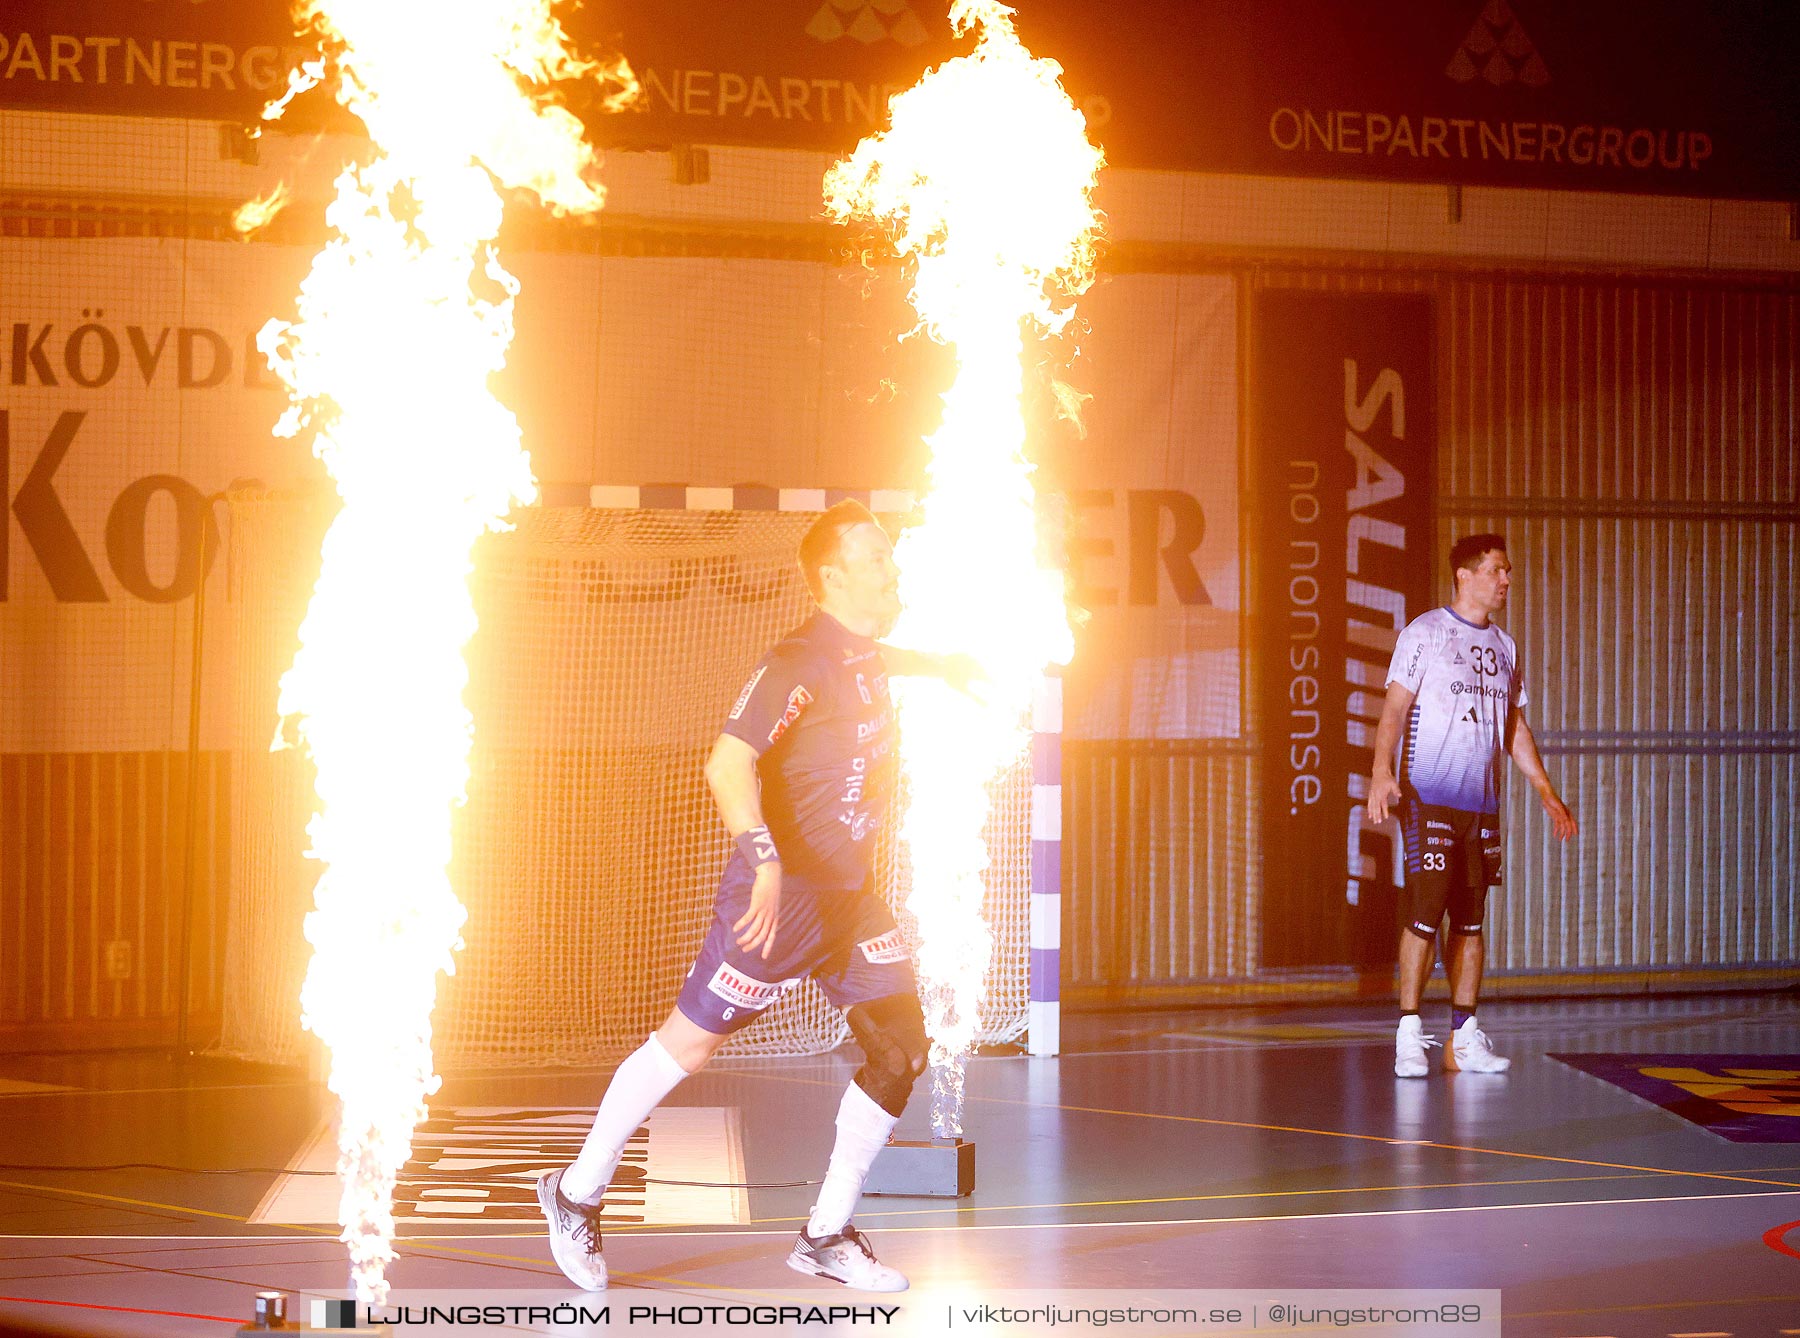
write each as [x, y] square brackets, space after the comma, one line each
[1637, 446]
[1638, 443]
[1160, 867]
[92, 849]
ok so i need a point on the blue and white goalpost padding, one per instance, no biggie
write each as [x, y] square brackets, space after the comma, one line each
[1043, 1035]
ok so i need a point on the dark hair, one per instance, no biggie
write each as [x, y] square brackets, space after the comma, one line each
[823, 540]
[1468, 551]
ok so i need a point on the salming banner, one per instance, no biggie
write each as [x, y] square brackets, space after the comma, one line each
[1343, 438]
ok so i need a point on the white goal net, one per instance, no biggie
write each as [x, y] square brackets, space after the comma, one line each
[611, 645]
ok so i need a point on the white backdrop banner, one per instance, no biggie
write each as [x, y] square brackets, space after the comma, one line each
[131, 394]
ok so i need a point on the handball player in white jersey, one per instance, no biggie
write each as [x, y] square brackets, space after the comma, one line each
[1454, 691]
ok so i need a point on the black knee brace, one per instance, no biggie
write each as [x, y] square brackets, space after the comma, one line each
[891, 1032]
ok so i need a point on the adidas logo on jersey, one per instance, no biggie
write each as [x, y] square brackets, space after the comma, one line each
[1459, 658]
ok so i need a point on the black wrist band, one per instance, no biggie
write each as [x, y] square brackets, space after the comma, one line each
[758, 847]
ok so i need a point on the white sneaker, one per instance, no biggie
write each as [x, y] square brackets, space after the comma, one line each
[1410, 1045]
[1471, 1052]
[574, 1234]
[846, 1258]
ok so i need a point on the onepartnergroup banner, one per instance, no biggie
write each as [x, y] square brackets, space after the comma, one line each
[972, 1311]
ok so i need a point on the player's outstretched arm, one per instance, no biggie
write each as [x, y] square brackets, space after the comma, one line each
[959, 671]
[1526, 758]
[731, 776]
[1384, 789]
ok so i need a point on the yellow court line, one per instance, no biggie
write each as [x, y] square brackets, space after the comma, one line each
[728, 1234]
[622, 1230]
[653, 1228]
[539, 1265]
[162, 1207]
[1651, 1305]
[426, 1245]
[158, 1091]
[1333, 1216]
[1335, 1133]
[1213, 1198]
[1425, 1143]
[299, 1228]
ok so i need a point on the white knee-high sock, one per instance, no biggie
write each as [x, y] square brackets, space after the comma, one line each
[638, 1087]
[862, 1131]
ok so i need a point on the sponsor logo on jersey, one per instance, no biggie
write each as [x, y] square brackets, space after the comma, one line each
[744, 696]
[798, 700]
[861, 822]
[1460, 689]
[1433, 825]
[889, 947]
[1459, 659]
[742, 991]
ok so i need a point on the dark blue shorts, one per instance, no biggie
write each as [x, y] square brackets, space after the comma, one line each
[1452, 859]
[847, 941]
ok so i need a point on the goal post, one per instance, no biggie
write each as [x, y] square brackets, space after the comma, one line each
[611, 643]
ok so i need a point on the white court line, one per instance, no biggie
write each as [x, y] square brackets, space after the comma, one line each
[788, 1231]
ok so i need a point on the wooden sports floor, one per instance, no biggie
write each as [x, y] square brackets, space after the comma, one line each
[1221, 1148]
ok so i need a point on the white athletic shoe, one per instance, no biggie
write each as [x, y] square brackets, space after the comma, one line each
[846, 1258]
[1410, 1045]
[574, 1234]
[1471, 1053]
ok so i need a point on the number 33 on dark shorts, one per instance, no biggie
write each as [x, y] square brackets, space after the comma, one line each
[1452, 859]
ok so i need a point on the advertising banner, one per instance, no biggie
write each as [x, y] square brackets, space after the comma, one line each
[1343, 437]
[1650, 96]
[132, 395]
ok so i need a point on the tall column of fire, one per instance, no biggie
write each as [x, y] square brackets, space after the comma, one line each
[404, 317]
[984, 182]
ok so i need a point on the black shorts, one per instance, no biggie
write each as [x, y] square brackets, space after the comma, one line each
[1452, 859]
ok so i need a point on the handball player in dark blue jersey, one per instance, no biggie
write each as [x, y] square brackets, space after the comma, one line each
[803, 774]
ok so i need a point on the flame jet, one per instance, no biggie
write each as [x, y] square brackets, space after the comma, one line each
[984, 184]
[403, 318]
